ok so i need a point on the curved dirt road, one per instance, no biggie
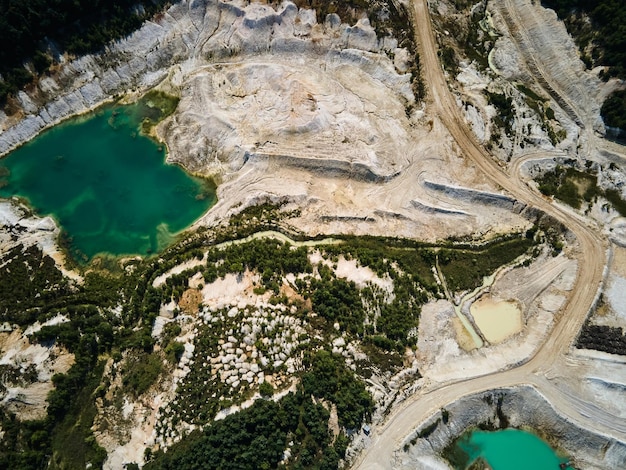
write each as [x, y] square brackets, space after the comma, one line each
[388, 437]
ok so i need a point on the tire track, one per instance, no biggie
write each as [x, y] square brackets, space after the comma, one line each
[388, 437]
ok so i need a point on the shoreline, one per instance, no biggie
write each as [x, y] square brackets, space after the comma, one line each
[53, 124]
[520, 407]
[76, 259]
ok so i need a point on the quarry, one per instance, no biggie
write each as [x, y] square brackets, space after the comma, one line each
[383, 223]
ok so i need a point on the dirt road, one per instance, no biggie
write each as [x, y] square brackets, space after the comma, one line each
[388, 437]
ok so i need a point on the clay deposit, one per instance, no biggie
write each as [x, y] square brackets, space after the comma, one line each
[538, 292]
[496, 320]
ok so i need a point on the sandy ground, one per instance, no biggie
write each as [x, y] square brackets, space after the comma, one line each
[539, 291]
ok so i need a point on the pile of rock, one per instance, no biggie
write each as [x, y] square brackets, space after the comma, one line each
[266, 338]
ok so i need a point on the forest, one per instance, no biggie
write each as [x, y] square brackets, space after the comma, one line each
[256, 438]
[39, 31]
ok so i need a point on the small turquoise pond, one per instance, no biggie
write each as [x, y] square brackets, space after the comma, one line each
[107, 185]
[508, 449]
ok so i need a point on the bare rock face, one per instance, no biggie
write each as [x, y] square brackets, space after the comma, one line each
[536, 47]
[283, 106]
[19, 227]
[277, 82]
[550, 54]
[310, 109]
[27, 369]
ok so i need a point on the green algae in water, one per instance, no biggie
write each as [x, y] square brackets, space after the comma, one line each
[507, 449]
[107, 185]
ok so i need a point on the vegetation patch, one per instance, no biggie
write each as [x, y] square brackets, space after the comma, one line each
[570, 186]
[575, 187]
[29, 280]
[29, 29]
[597, 27]
[328, 378]
[155, 106]
[602, 338]
[465, 269]
[614, 110]
[141, 371]
[252, 219]
[505, 116]
[291, 433]
[64, 439]
[466, 34]
[235, 352]
[73, 443]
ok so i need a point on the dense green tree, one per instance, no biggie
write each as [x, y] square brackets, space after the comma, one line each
[257, 437]
[328, 377]
[614, 110]
[30, 29]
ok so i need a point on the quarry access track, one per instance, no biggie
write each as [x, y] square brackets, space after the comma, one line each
[388, 437]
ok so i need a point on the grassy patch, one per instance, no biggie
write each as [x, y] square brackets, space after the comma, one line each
[73, 443]
[530, 93]
[381, 353]
[141, 371]
[156, 106]
[505, 111]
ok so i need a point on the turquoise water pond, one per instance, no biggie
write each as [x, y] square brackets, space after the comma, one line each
[510, 449]
[107, 185]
